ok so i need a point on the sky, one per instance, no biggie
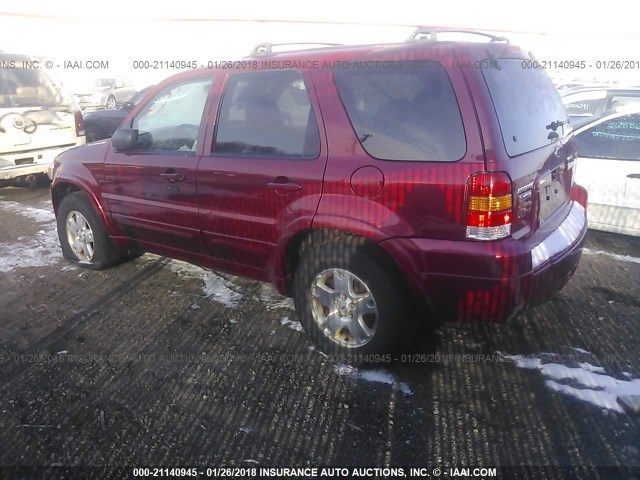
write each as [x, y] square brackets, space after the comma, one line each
[122, 32]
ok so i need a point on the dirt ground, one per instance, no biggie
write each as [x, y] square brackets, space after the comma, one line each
[156, 362]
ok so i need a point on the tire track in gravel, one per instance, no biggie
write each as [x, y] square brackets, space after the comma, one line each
[69, 326]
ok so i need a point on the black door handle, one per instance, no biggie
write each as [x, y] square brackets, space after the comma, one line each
[284, 185]
[633, 175]
[172, 176]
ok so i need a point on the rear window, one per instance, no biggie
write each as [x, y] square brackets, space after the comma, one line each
[403, 113]
[28, 87]
[526, 102]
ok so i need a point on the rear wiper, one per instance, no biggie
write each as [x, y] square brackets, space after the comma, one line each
[554, 126]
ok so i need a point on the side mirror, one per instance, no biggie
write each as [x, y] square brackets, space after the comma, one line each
[124, 139]
[128, 105]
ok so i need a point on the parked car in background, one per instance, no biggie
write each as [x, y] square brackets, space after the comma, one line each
[609, 168]
[374, 193]
[101, 124]
[38, 120]
[581, 104]
[106, 93]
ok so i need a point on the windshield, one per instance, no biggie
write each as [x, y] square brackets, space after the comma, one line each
[105, 82]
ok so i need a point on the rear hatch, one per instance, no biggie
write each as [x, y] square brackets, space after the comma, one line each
[34, 113]
[538, 150]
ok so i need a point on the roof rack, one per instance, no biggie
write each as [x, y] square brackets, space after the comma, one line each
[431, 34]
[266, 48]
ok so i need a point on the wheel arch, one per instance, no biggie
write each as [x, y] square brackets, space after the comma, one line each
[305, 240]
[62, 188]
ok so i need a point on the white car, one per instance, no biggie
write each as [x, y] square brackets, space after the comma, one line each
[38, 120]
[609, 168]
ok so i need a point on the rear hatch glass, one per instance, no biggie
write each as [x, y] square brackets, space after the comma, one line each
[34, 113]
[534, 126]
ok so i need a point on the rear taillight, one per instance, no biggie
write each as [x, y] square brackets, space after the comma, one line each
[489, 206]
[77, 116]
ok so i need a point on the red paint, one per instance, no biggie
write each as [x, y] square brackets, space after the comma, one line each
[225, 216]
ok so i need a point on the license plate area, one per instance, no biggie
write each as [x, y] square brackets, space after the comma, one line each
[24, 161]
[552, 194]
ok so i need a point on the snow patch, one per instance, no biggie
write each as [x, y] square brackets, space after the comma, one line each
[215, 287]
[272, 299]
[292, 324]
[586, 382]
[622, 258]
[580, 350]
[375, 376]
[38, 215]
[40, 250]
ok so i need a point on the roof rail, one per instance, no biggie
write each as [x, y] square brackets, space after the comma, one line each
[432, 34]
[266, 48]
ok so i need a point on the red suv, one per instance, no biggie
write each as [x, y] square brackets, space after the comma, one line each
[371, 183]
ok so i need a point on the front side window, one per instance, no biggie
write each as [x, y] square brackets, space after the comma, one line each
[617, 139]
[170, 122]
[267, 114]
[403, 113]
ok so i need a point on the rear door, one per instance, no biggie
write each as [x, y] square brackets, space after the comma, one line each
[263, 175]
[609, 168]
[539, 152]
[151, 191]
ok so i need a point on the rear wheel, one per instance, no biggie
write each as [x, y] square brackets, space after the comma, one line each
[349, 302]
[82, 235]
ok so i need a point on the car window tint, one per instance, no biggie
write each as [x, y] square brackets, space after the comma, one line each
[403, 113]
[617, 139]
[267, 114]
[171, 120]
[525, 102]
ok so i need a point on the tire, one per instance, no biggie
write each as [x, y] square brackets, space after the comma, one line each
[111, 102]
[372, 316]
[93, 248]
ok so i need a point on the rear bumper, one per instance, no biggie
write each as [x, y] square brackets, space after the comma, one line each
[491, 281]
[42, 161]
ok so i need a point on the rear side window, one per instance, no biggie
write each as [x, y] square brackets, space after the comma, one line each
[403, 113]
[267, 114]
[526, 102]
[617, 139]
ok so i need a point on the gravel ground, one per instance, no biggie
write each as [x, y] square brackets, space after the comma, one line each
[157, 362]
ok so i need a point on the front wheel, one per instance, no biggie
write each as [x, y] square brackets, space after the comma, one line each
[111, 102]
[82, 236]
[349, 302]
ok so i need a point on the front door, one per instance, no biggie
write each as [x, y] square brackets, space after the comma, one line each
[151, 190]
